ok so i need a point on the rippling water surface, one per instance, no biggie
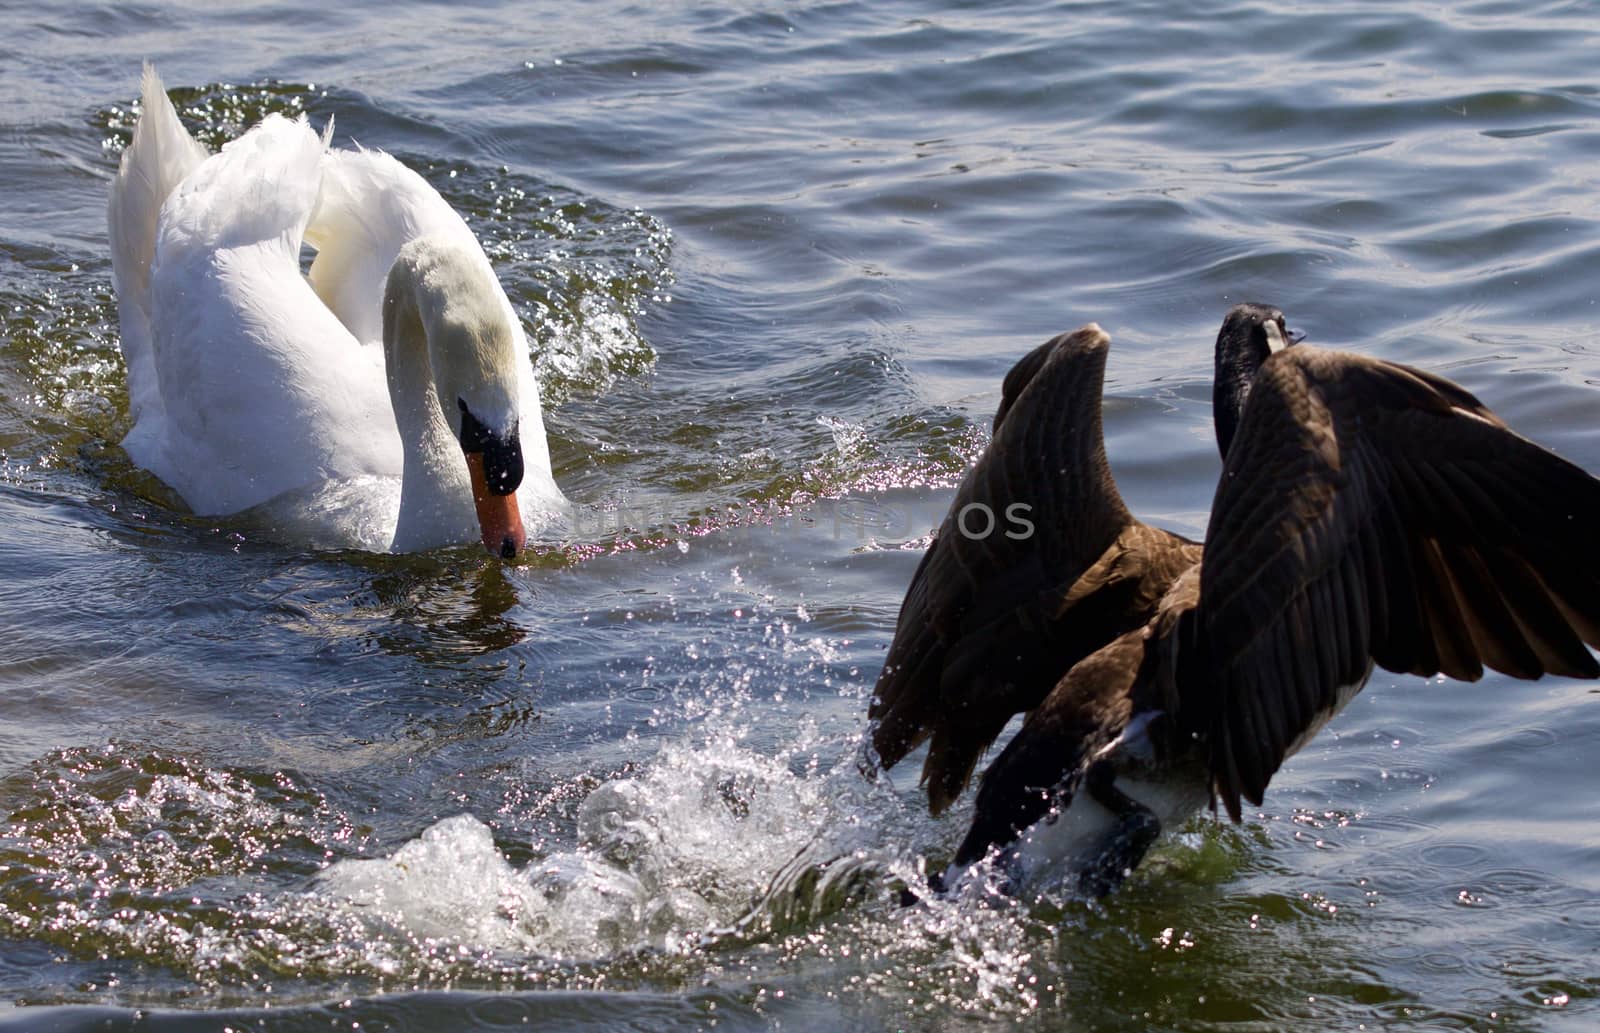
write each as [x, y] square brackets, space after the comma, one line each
[775, 259]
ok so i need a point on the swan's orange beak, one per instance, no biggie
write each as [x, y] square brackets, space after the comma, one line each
[498, 516]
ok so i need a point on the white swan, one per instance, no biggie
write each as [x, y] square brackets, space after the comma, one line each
[400, 356]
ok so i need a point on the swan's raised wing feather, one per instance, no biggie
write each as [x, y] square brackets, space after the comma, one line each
[1372, 512]
[159, 157]
[370, 205]
[261, 188]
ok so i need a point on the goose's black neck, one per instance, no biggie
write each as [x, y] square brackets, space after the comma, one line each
[1249, 334]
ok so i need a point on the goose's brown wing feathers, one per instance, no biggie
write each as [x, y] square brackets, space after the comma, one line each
[1372, 512]
[985, 631]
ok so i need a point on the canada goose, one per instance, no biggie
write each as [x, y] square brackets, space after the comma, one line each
[1367, 513]
[997, 612]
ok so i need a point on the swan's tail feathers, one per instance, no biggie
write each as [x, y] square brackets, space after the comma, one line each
[161, 155]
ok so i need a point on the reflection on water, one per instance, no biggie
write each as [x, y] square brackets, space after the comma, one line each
[447, 617]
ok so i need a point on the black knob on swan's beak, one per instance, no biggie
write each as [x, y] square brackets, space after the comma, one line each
[502, 456]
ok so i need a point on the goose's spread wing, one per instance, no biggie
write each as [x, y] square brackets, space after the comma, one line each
[985, 593]
[1372, 512]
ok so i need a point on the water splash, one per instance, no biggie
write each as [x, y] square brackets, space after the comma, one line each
[665, 858]
[740, 852]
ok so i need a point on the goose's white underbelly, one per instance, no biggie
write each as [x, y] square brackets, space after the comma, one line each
[1060, 846]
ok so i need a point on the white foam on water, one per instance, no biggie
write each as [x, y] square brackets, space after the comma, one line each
[663, 858]
[718, 843]
[450, 883]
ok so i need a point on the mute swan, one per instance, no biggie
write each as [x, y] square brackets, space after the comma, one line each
[1368, 513]
[400, 356]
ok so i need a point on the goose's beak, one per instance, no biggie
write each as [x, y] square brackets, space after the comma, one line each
[498, 516]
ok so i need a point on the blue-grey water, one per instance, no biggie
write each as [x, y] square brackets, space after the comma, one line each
[774, 259]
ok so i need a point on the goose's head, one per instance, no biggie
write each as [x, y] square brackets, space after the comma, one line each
[1250, 334]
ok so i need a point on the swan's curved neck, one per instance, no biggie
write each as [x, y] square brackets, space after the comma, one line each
[448, 348]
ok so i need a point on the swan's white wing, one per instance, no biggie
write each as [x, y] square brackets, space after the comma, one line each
[161, 155]
[370, 206]
[263, 390]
